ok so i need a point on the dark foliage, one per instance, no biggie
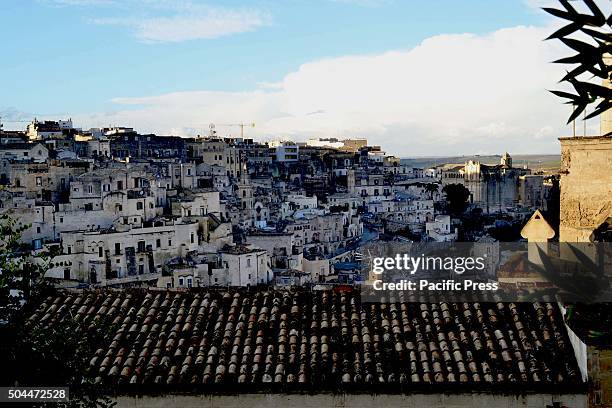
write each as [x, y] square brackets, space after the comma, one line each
[457, 196]
[30, 354]
[589, 57]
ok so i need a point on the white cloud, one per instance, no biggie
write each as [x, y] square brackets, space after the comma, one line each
[155, 21]
[536, 4]
[205, 23]
[451, 94]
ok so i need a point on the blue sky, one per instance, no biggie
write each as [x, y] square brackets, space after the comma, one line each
[93, 58]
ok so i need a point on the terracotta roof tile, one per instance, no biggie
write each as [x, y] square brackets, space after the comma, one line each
[319, 339]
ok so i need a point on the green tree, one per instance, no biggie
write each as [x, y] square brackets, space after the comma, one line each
[457, 196]
[431, 188]
[31, 353]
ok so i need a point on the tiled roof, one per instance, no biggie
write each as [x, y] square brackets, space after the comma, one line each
[317, 340]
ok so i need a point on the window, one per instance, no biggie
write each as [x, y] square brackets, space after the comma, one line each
[89, 189]
[100, 252]
[38, 230]
[37, 243]
[169, 242]
[69, 250]
[140, 269]
[168, 285]
[192, 238]
[158, 243]
[249, 264]
[141, 246]
[181, 282]
[139, 205]
[189, 282]
[38, 181]
[61, 220]
[117, 248]
[66, 273]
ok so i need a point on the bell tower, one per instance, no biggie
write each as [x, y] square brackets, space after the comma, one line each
[506, 160]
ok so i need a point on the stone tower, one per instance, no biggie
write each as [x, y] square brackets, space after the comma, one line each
[506, 160]
[585, 206]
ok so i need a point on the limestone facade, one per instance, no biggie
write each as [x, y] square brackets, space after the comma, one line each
[586, 186]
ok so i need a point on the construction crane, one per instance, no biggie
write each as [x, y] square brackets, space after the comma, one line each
[242, 125]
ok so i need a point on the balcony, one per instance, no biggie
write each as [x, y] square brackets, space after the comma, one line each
[139, 193]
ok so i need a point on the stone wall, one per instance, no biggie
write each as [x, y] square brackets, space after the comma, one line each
[586, 202]
[586, 186]
[600, 370]
[353, 401]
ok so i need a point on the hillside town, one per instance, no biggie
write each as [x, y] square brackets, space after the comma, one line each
[116, 208]
[420, 216]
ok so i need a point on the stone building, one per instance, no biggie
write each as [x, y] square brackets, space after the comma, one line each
[441, 229]
[124, 255]
[197, 202]
[586, 187]
[586, 216]
[133, 145]
[531, 191]
[280, 246]
[244, 266]
[27, 152]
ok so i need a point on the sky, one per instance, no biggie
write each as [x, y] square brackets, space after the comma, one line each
[419, 78]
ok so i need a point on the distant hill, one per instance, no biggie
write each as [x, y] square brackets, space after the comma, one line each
[544, 162]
